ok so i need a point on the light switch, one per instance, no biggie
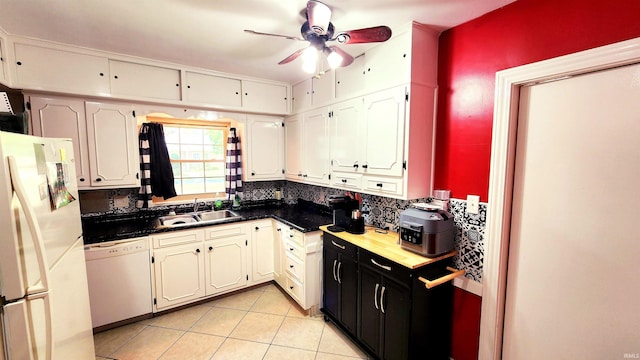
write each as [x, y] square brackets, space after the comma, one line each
[473, 204]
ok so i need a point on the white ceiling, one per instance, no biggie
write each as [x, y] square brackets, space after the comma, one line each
[209, 33]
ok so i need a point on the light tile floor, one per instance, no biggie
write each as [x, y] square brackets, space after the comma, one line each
[261, 323]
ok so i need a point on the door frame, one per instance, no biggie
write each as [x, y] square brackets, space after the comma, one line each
[503, 146]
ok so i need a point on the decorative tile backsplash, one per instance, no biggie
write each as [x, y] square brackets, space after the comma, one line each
[379, 211]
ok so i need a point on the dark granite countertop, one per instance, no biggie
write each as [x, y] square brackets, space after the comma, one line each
[304, 216]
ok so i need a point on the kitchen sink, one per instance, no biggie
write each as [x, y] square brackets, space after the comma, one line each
[208, 216]
[201, 217]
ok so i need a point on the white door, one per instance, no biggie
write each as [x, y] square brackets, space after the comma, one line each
[262, 254]
[346, 134]
[572, 283]
[113, 150]
[293, 149]
[315, 142]
[266, 148]
[384, 137]
[226, 264]
[179, 274]
[64, 118]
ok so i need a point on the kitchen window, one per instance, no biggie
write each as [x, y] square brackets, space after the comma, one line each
[197, 151]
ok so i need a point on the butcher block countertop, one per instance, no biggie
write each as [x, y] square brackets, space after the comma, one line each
[386, 246]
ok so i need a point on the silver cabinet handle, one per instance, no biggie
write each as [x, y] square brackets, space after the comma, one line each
[338, 245]
[382, 299]
[334, 270]
[375, 297]
[388, 268]
[339, 277]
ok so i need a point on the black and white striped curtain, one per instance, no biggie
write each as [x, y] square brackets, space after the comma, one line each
[155, 166]
[233, 173]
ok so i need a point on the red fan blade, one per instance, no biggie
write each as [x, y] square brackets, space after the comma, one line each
[367, 35]
[292, 57]
[276, 35]
[346, 58]
[319, 16]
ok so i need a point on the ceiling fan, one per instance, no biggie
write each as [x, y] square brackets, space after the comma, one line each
[318, 30]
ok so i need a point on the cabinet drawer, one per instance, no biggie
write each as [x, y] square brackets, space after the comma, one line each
[385, 266]
[294, 236]
[295, 289]
[384, 185]
[350, 181]
[346, 248]
[295, 267]
[294, 249]
[222, 231]
[177, 238]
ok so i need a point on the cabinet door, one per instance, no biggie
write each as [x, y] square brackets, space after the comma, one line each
[370, 315]
[264, 97]
[384, 138]
[350, 79]
[315, 142]
[389, 64]
[262, 254]
[226, 264]
[59, 70]
[64, 118]
[278, 253]
[301, 96]
[113, 149]
[346, 133]
[395, 305]
[212, 90]
[347, 273]
[323, 88]
[3, 62]
[179, 274]
[293, 152]
[265, 147]
[331, 296]
[139, 80]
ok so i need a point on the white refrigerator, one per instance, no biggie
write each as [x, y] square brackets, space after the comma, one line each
[45, 310]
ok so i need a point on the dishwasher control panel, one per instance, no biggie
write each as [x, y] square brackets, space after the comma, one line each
[115, 248]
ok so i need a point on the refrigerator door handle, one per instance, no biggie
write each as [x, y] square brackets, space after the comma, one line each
[45, 296]
[34, 228]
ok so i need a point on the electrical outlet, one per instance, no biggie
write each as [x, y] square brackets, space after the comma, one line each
[389, 226]
[473, 204]
[121, 201]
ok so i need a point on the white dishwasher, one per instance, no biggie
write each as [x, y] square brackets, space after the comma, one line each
[119, 276]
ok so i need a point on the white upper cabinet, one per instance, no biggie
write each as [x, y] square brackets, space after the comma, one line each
[301, 98]
[264, 97]
[64, 118]
[265, 147]
[349, 80]
[346, 133]
[315, 145]
[139, 80]
[41, 68]
[113, 148]
[293, 142]
[3, 62]
[384, 135]
[212, 90]
[323, 88]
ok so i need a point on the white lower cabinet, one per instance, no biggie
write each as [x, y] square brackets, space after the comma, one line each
[178, 268]
[262, 250]
[301, 258]
[226, 264]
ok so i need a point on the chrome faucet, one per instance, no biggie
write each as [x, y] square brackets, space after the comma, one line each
[196, 205]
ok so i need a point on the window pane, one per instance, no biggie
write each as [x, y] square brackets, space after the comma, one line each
[192, 170]
[215, 184]
[176, 171]
[174, 151]
[191, 152]
[171, 135]
[214, 152]
[213, 136]
[191, 135]
[178, 185]
[214, 169]
[192, 186]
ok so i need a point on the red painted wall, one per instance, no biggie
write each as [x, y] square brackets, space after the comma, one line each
[470, 54]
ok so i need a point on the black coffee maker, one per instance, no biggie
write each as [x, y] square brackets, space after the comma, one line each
[346, 215]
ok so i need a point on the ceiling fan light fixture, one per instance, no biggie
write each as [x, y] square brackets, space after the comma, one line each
[310, 60]
[334, 59]
[319, 16]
